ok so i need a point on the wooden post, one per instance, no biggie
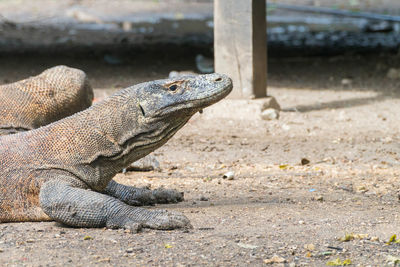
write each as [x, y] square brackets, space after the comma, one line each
[240, 45]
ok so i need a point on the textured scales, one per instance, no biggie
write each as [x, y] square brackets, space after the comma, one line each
[55, 94]
[37, 101]
[64, 171]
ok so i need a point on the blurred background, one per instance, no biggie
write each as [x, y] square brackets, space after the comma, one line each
[141, 40]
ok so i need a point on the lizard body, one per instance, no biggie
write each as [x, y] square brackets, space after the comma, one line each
[64, 171]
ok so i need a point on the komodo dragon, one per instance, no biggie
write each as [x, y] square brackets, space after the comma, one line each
[37, 101]
[63, 171]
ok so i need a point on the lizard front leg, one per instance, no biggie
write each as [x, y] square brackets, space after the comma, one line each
[79, 207]
[142, 196]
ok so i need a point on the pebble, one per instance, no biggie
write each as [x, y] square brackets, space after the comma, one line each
[270, 114]
[203, 198]
[270, 102]
[229, 175]
[347, 81]
[286, 127]
[274, 259]
[309, 247]
[243, 245]
[374, 238]
[127, 26]
[305, 161]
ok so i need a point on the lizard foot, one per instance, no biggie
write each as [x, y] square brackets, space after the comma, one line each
[167, 220]
[142, 196]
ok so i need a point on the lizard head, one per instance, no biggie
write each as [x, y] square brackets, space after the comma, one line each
[182, 97]
[141, 118]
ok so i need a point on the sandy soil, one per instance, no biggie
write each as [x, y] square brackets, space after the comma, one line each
[274, 205]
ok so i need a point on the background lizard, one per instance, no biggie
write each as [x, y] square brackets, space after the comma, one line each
[56, 93]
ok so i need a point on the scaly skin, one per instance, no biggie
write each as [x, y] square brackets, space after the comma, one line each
[57, 93]
[37, 101]
[64, 171]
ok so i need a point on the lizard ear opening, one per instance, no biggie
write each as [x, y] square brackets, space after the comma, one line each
[142, 110]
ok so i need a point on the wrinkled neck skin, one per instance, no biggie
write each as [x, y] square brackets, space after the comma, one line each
[132, 133]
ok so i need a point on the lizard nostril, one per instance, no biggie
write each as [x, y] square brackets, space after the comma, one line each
[218, 79]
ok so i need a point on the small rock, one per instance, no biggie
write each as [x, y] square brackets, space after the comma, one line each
[190, 169]
[270, 114]
[243, 245]
[320, 198]
[286, 127]
[304, 161]
[275, 259]
[301, 222]
[127, 26]
[203, 198]
[270, 102]
[129, 250]
[393, 74]
[347, 81]
[374, 238]
[309, 247]
[244, 142]
[229, 175]
[174, 167]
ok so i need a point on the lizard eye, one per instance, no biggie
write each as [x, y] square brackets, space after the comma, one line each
[173, 87]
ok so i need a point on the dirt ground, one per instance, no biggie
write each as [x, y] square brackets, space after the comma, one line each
[347, 129]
